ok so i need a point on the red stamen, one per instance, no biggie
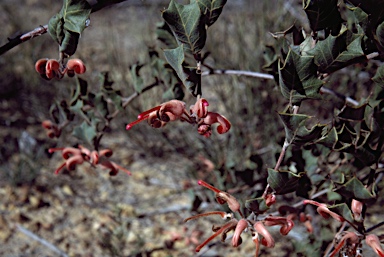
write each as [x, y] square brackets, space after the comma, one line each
[204, 184]
[60, 168]
[130, 125]
[51, 150]
[147, 112]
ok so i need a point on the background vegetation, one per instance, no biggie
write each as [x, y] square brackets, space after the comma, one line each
[98, 215]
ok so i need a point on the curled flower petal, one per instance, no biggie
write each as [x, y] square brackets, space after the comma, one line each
[73, 161]
[268, 239]
[240, 227]
[223, 197]
[323, 210]
[213, 117]
[200, 108]
[286, 224]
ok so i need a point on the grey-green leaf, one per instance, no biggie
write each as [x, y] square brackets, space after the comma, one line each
[189, 76]
[297, 78]
[66, 26]
[211, 9]
[187, 24]
[337, 52]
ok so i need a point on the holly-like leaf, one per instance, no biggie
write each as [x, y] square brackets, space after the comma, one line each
[355, 189]
[66, 26]
[187, 24]
[337, 52]
[211, 9]
[297, 78]
[328, 138]
[283, 182]
[296, 132]
[189, 76]
[85, 132]
[323, 14]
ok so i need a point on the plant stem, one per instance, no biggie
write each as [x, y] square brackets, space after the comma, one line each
[41, 30]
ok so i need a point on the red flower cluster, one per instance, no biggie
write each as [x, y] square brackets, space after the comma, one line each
[348, 242]
[198, 113]
[74, 156]
[257, 228]
[52, 130]
[51, 68]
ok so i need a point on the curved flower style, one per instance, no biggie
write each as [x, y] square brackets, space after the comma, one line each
[173, 110]
[74, 156]
[168, 111]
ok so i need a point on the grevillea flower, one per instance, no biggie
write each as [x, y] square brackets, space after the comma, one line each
[258, 229]
[51, 68]
[74, 156]
[240, 227]
[349, 240]
[223, 197]
[323, 210]
[204, 126]
[285, 223]
[173, 110]
[168, 111]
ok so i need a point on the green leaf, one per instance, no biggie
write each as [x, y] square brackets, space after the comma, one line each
[165, 35]
[298, 78]
[323, 14]
[189, 76]
[187, 24]
[352, 113]
[329, 138]
[107, 89]
[138, 81]
[355, 189]
[85, 132]
[295, 131]
[66, 26]
[283, 182]
[343, 210]
[337, 52]
[211, 9]
[379, 76]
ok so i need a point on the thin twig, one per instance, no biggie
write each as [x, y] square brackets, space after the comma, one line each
[323, 89]
[239, 73]
[41, 30]
[41, 240]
